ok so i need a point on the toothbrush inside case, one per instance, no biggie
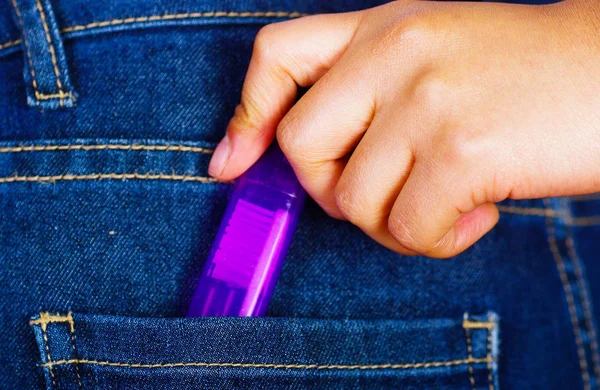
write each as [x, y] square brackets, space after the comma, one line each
[246, 257]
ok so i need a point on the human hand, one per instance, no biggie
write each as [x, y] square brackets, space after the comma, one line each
[422, 115]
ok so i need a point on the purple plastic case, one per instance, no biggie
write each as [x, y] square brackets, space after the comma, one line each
[240, 274]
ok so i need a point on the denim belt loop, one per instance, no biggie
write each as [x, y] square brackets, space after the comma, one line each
[46, 73]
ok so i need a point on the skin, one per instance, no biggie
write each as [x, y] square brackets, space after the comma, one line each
[422, 115]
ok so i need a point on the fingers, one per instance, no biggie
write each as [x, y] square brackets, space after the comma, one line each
[318, 134]
[286, 54]
[374, 175]
[435, 214]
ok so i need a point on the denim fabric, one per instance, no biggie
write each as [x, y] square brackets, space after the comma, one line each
[264, 353]
[45, 70]
[108, 214]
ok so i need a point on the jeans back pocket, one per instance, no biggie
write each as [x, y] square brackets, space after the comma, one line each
[105, 352]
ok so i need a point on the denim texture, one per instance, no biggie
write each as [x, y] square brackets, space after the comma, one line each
[107, 215]
[263, 353]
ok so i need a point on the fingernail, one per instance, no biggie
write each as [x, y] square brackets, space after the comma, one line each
[218, 162]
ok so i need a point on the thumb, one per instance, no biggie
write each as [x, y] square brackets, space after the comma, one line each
[285, 55]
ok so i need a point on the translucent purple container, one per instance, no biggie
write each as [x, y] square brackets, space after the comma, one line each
[243, 266]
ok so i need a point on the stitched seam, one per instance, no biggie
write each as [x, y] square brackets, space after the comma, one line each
[585, 221]
[540, 212]
[190, 15]
[570, 299]
[27, 51]
[489, 358]
[111, 176]
[47, 348]
[272, 365]
[468, 324]
[470, 357]
[45, 148]
[47, 318]
[75, 354]
[585, 300]
[50, 49]
[10, 44]
[59, 95]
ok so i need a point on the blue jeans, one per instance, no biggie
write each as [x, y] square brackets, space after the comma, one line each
[109, 111]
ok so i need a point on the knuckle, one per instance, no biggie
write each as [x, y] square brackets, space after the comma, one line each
[416, 28]
[264, 43]
[433, 93]
[296, 144]
[289, 136]
[410, 32]
[244, 118]
[345, 201]
[461, 150]
[404, 236]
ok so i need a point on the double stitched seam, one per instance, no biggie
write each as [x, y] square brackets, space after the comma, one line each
[488, 326]
[72, 331]
[551, 232]
[585, 300]
[470, 357]
[179, 16]
[27, 51]
[51, 50]
[43, 324]
[489, 358]
[105, 176]
[272, 365]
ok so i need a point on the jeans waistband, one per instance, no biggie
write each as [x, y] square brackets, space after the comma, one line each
[38, 28]
[81, 17]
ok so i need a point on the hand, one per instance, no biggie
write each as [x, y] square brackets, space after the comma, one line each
[422, 115]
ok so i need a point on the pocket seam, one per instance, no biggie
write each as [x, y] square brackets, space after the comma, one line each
[46, 318]
[404, 366]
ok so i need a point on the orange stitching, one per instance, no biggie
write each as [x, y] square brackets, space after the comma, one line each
[470, 357]
[111, 176]
[10, 44]
[272, 365]
[60, 95]
[540, 212]
[489, 358]
[585, 221]
[51, 49]
[191, 15]
[468, 324]
[48, 318]
[570, 299]
[72, 331]
[27, 51]
[43, 322]
[45, 148]
[587, 311]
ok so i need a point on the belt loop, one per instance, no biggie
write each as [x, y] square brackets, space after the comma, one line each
[46, 74]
